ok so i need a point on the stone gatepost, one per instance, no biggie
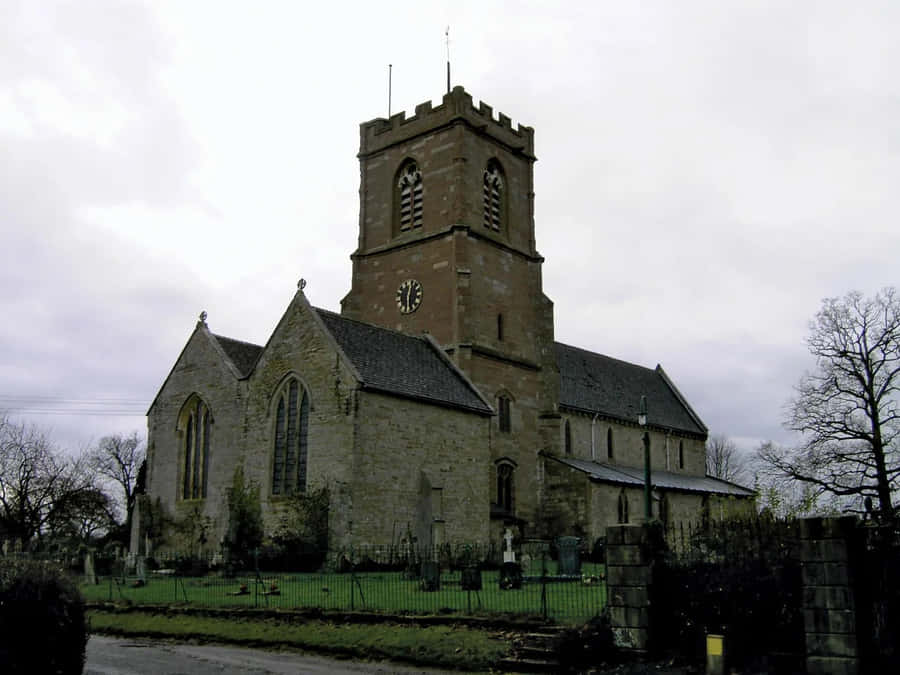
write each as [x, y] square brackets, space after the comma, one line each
[828, 550]
[631, 553]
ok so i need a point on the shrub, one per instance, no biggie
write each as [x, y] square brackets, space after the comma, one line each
[40, 607]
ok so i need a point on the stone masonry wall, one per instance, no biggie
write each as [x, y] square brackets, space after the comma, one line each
[415, 465]
[827, 550]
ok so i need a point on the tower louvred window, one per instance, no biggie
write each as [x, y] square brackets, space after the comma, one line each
[493, 197]
[410, 186]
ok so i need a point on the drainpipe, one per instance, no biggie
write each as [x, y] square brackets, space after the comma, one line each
[593, 421]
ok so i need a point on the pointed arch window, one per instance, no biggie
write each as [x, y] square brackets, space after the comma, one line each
[196, 425]
[506, 487]
[623, 507]
[409, 196]
[568, 438]
[289, 462]
[493, 190]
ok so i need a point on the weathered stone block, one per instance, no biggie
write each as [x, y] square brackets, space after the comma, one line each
[635, 639]
[633, 617]
[827, 528]
[628, 596]
[831, 665]
[829, 620]
[827, 597]
[625, 555]
[823, 550]
[831, 644]
[628, 576]
[825, 574]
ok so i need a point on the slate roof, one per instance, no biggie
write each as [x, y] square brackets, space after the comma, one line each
[401, 364]
[594, 383]
[242, 354]
[626, 475]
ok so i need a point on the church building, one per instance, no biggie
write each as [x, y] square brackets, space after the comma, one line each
[437, 403]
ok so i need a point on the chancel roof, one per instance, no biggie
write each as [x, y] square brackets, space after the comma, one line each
[602, 472]
[402, 364]
[594, 383]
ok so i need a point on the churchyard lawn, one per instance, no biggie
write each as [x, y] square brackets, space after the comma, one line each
[572, 600]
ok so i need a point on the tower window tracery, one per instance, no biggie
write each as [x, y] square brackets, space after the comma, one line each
[493, 196]
[409, 188]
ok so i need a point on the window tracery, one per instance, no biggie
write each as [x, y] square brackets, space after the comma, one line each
[409, 187]
[289, 462]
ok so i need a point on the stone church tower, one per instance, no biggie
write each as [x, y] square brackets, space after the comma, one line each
[447, 247]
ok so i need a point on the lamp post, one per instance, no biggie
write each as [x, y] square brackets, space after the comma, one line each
[642, 421]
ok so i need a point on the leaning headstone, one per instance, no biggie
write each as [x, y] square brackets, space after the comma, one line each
[569, 556]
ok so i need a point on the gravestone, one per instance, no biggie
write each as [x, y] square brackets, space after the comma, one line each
[510, 576]
[509, 555]
[90, 575]
[431, 576]
[142, 569]
[569, 560]
[470, 579]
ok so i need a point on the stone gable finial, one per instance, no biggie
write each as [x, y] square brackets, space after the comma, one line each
[203, 316]
[301, 284]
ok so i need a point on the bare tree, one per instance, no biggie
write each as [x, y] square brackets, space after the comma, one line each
[724, 460]
[846, 409]
[118, 458]
[35, 481]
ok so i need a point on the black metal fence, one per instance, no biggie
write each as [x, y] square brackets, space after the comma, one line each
[740, 578]
[464, 580]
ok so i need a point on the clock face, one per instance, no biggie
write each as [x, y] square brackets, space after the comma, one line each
[409, 296]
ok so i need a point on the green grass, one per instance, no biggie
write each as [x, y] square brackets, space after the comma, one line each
[566, 601]
[446, 646]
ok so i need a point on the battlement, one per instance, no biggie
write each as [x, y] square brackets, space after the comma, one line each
[379, 133]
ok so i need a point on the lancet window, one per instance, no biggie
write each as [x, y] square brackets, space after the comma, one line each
[289, 462]
[196, 426]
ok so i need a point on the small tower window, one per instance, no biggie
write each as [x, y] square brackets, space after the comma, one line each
[609, 443]
[623, 507]
[503, 405]
[568, 438]
[493, 196]
[680, 454]
[500, 327]
[409, 187]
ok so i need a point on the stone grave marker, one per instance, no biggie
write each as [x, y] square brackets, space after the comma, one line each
[569, 563]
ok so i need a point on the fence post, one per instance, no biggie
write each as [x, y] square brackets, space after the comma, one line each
[544, 611]
[827, 551]
[352, 582]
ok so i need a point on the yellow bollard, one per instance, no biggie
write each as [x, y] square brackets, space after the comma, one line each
[715, 655]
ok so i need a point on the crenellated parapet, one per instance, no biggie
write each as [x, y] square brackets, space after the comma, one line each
[380, 133]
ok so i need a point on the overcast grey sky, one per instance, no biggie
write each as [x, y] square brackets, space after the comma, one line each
[708, 172]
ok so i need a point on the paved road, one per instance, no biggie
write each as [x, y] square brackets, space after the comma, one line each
[114, 656]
